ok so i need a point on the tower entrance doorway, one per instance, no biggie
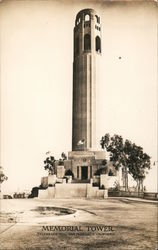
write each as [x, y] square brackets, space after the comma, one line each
[84, 173]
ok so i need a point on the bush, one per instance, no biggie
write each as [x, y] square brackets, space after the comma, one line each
[100, 171]
[96, 184]
[50, 185]
[34, 192]
[69, 172]
[102, 187]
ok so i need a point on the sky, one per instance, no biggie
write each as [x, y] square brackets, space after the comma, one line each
[36, 53]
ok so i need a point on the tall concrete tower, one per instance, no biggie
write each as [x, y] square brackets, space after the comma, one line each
[87, 49]
[85, 164]
[84, 159]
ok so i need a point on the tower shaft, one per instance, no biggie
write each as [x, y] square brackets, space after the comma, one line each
[87, 47]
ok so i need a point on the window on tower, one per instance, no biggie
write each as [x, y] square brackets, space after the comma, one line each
[78, 21]
[87, 17]
[87, 42]
[97, 44]
[97, 19]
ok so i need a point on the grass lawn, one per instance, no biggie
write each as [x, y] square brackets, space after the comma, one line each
[133, 224]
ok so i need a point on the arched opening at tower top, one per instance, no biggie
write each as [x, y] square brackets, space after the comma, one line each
[87, 42]
[78, 21]
[87, 17]
[97, 19]
[97, 44]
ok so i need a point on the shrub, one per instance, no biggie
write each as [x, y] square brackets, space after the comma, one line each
[102, 187]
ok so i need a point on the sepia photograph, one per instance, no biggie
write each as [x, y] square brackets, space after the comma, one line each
[78, 124]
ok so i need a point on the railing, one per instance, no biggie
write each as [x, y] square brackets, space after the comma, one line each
[151, 195]
[144, 195]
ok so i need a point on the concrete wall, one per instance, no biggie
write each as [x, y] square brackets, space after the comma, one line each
[108, 181]
[60, 171]
[48, 193]
[68, 164]
[44, 181]
[52, 179]
[96, 179]
[104, 180]
[72, 190]
[111, 180]
[95, 192]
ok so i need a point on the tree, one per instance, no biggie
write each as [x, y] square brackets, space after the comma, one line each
[50, 164]
[3, 177]
[62, 159]
[34, 192]
[127, 155]
[104, 162]
[139, 162]
[69, 173]
[63, 156]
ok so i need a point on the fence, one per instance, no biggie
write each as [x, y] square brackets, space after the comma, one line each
[144, 195]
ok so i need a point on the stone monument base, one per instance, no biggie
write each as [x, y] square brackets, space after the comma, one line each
[73, 190]
[84, 164]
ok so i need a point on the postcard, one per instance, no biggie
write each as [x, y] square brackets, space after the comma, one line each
[78, 124]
